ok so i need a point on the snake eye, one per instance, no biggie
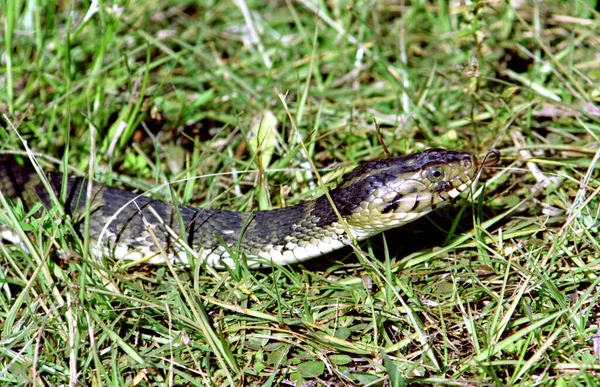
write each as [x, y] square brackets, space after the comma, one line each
[435, 174]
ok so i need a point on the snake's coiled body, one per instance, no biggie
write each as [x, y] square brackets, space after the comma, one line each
[375, 196]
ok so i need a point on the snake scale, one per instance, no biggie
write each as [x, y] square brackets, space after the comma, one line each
[376, 196]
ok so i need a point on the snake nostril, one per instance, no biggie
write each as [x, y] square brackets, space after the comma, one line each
[467, 163]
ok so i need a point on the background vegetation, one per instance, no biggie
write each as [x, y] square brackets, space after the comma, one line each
[497, 290]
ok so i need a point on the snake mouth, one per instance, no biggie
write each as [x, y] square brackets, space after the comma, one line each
[451, 189]
[460, 183]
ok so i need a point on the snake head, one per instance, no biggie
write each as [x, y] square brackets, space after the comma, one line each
[382, 194]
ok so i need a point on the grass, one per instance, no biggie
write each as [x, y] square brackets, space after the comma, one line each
[499, 290]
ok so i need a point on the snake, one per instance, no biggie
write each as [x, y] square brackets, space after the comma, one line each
[375, 196]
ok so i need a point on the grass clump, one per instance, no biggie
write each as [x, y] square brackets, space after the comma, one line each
[499, 290]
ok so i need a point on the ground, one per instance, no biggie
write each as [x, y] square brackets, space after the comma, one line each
[241, 105]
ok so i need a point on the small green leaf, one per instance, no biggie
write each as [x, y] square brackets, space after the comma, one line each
[396, 379]
[259, 364]
[277, 355]
[364, 378]
[263, 137]
[342, 333]
[262, 140]
[509, 92]
[311, 369]
[297, 378]
[340, 359]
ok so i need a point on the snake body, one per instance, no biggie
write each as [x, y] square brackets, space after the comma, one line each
[375, 196]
